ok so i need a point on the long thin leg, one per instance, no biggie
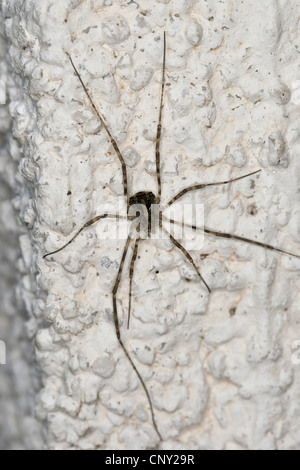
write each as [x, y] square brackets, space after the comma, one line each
[131, 271]
[117, 327]
[113, 142]
[158, 134]
[247, 240]
[87, 224]
[234, 237]
[201, 186]
[187, 255]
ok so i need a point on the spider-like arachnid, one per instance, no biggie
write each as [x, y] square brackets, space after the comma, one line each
[141, 209]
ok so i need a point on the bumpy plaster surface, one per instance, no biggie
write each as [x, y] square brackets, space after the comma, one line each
[219, 367]
[18, 378]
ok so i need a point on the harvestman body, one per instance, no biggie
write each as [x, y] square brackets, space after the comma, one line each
[143, 203]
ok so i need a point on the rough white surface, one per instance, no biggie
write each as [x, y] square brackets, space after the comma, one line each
[18, 378]
[219, 368]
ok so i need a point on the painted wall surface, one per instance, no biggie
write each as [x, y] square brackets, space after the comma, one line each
[19, 378]
[222, 368]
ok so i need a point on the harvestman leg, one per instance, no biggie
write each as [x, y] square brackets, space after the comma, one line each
[131, 271]
[234, 237]
[158, 134]
[87, 224]
[114, 295]
[117, 326]
[253, 242]
[187, 255]
[201, 186]
[101, 119]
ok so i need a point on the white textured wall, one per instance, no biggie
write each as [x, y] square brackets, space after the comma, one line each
[219, 367]
[19, 380]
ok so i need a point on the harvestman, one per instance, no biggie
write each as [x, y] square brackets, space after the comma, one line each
[143, 202]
